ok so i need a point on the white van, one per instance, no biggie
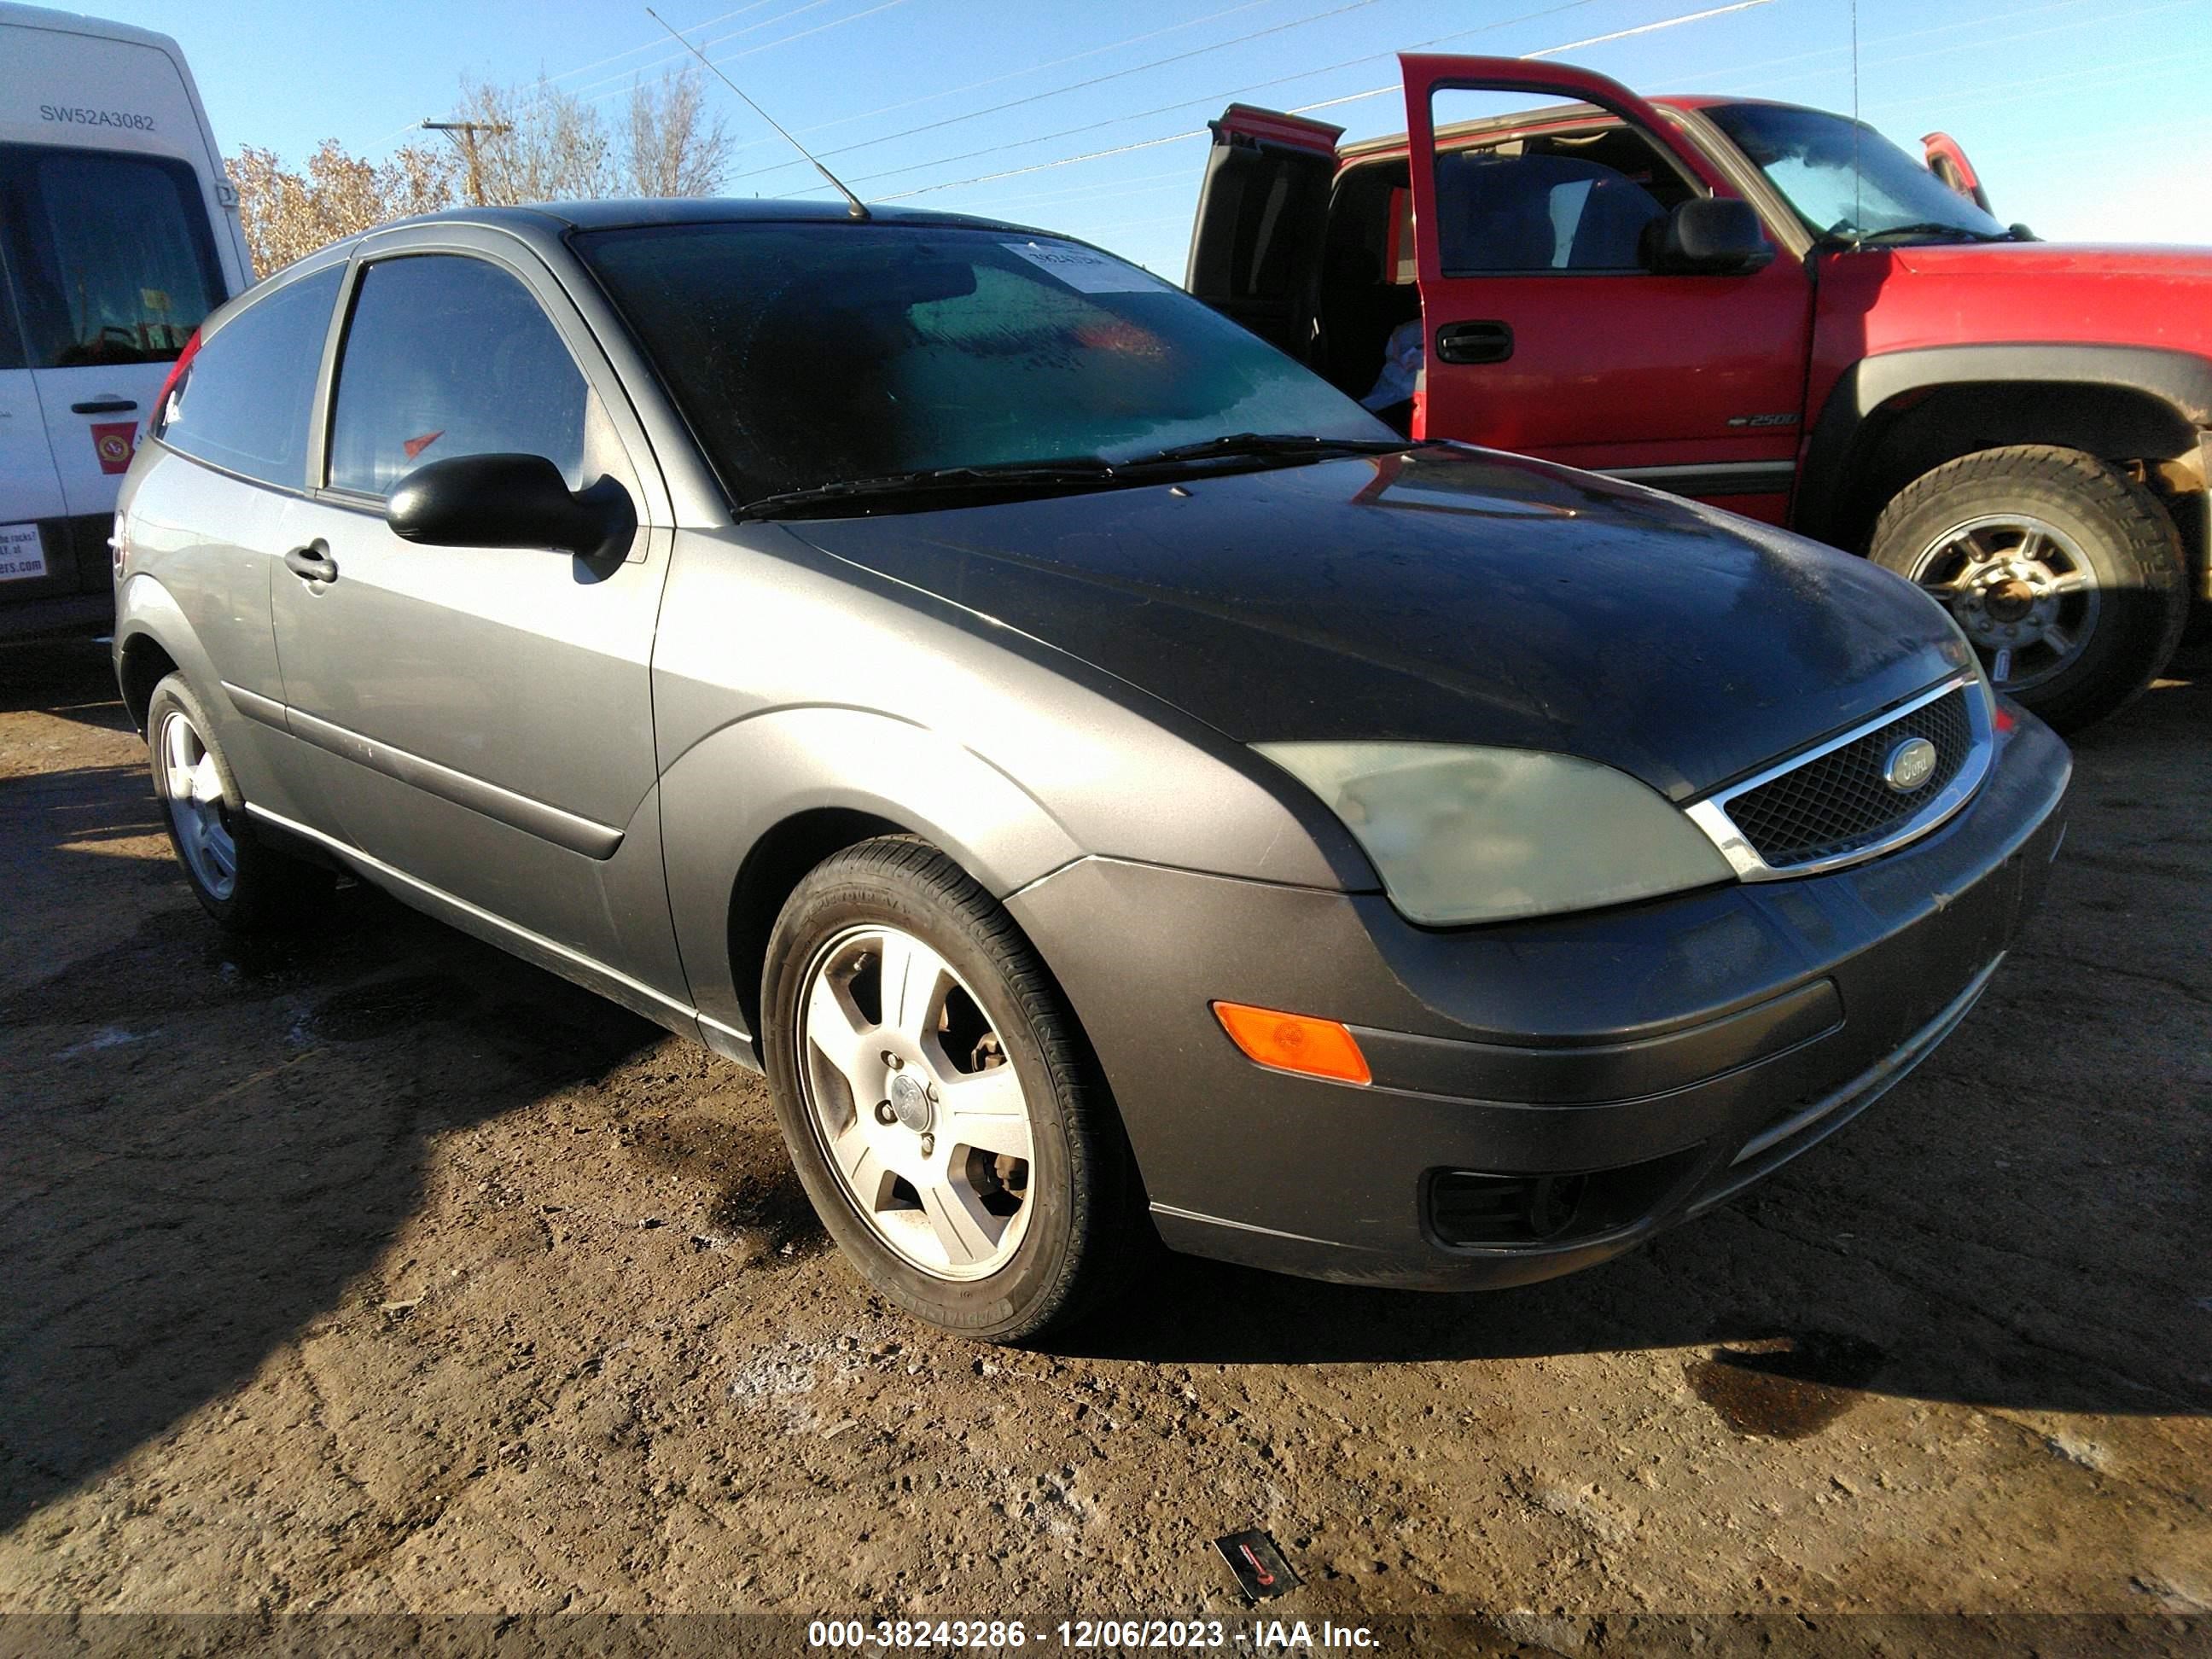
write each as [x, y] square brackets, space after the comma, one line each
[119, 233]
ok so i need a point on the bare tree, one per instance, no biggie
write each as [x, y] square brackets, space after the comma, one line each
[287, 215]
[533, 143]
[676, 149]
[554, 147]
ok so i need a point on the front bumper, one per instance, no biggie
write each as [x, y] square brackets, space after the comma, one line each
[1667, 1053]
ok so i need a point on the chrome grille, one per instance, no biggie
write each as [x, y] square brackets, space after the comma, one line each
[1839, 801]
[1833, 806]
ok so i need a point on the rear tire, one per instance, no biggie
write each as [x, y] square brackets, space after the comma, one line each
[1028, 1226]
[242, 883]
[2066, 574]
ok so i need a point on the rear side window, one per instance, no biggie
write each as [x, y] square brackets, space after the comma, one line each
[449, 355]
[110, 256]
[243, 402]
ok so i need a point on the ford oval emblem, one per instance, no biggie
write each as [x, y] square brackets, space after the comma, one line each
[1911, 765]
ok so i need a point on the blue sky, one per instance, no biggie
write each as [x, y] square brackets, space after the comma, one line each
[2087, 119]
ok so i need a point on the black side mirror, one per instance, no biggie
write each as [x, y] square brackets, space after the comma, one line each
[1709, 236]
[510, 500]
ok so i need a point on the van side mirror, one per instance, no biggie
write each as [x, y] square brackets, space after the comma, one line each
[1709, 236]
[510, 500]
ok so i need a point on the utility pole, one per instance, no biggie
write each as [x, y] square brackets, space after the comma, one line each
[468, 129]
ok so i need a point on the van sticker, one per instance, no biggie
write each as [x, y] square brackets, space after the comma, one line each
[21, 557]
[111, 440]
[1084, 272]
[96, 118]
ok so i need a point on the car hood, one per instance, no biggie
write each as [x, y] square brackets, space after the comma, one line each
[1442, 596]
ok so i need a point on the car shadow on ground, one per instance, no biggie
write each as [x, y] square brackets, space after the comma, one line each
[2022, 1222]
[71, 678]
[206, 1144]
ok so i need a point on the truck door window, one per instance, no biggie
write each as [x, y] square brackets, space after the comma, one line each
[1561, 194]
[111, 254]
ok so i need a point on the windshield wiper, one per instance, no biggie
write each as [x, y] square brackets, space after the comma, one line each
[1265, 444]
[1921, 228]
[1001, 475]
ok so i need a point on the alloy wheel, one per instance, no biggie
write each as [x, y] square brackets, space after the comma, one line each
[191, 788]
[2021, 590]
[911, 1092]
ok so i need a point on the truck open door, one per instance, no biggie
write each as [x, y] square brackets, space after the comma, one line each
[1255, 247]
[1593, 291]
[1948, 162]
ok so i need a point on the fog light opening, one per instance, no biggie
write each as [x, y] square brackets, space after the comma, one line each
[1471, 1209]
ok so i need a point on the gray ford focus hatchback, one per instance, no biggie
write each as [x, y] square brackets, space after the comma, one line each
[1115, 787]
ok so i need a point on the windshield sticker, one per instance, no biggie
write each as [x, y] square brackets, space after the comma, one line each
[1084, 272]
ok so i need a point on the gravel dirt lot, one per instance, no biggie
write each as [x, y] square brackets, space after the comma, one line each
[375, 1271]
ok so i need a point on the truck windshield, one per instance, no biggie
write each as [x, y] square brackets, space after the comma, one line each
[807, 354]
[1847, 182]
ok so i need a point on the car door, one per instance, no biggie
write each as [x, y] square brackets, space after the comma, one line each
[479, 720]
[1546, 330]
[113, 266]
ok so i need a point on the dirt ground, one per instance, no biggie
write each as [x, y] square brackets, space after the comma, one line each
[375, 1271]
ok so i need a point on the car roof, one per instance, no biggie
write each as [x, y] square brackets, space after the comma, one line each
[693, 210]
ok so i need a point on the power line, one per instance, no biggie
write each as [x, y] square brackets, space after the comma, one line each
[1198, 132]
[733, 35]
[1078, 86]
[1031, 69]
[1186, 103]
[631, 51]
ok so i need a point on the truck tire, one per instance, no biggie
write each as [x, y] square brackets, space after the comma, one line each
[904, 1012]
[2067, 575]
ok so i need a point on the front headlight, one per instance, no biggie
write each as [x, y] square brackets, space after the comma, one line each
[1463, 835]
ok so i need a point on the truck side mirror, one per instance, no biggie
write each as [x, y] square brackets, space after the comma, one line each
[1709, 236]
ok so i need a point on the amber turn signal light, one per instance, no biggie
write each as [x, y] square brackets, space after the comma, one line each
[1294, 1042]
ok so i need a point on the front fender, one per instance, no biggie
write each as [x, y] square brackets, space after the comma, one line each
[733, 787]
[2177, 384]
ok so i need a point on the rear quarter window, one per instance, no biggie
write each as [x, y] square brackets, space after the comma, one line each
[244, 403]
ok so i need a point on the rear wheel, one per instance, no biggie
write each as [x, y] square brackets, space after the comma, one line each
[2065, 574]
[937, 1100]
[241, 882]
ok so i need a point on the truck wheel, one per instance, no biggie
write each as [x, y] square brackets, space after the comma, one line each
[241, 882]
[936, 1099]
[2065, 574]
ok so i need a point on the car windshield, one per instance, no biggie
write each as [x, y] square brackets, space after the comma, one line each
[810, 354]
[1846, 180]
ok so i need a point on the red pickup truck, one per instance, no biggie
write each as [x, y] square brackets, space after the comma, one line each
[1767, 307]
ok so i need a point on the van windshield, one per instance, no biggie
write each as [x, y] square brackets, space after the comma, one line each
[806, 354]
[110, 254]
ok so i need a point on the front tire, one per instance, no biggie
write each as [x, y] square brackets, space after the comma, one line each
[938, 1100]
[2066, 576]
[243, 884]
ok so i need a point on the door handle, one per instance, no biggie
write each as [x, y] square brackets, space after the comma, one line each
[1474, 342]
[314, 561]
[104, 406]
